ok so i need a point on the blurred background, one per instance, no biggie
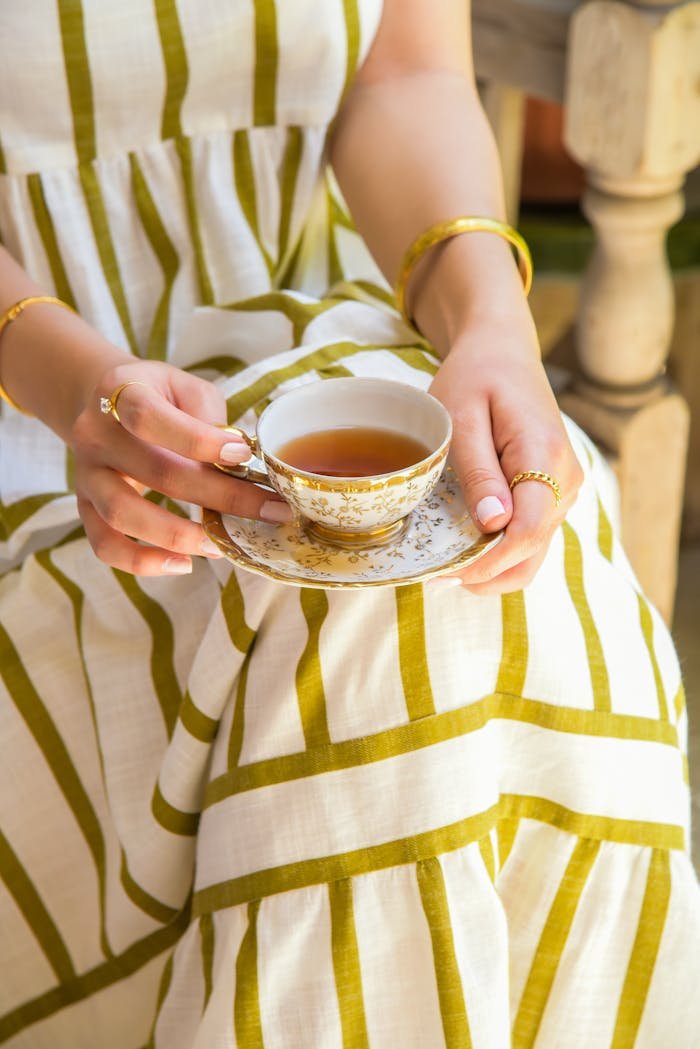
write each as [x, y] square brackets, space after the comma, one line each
[596, 110]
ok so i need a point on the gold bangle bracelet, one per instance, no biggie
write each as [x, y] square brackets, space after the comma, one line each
[8, 317]
[452, 228]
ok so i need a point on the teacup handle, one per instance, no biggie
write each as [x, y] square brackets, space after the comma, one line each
[243, 472]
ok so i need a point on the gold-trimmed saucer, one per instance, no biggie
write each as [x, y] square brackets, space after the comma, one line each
[440, 537]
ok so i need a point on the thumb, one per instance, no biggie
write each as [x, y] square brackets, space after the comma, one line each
[473, 456]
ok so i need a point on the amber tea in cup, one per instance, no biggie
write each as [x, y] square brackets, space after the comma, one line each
[353, 456]
[352, 451]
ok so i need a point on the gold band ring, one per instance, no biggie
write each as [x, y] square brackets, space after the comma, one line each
[108, 405]
[538, 475]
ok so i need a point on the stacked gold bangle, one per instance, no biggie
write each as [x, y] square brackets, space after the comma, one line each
[12, 314]
[452, 228]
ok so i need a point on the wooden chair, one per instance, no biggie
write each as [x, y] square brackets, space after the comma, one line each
[628, 75]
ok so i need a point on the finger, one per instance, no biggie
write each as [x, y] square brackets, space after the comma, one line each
[119, 552]
[126, 512]
[192, 482]
[516, 578]
[535, 518]
[146, 413]
[474, 457]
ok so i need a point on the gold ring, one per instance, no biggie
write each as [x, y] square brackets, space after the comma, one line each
[538, 475]
[108, 405]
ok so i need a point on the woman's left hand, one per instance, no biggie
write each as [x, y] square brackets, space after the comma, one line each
[506, 420]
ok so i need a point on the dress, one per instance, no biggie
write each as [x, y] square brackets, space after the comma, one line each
[239, 814]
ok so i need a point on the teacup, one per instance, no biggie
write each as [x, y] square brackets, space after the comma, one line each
[350, 511]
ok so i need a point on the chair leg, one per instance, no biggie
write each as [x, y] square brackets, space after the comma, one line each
[620, 54]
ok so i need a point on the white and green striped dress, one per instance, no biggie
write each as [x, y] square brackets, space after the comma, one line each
[239, 814]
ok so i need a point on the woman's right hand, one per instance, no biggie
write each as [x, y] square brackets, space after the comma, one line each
[169, 435]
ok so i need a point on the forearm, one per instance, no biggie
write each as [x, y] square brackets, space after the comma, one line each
[414, 150]
[49, 357]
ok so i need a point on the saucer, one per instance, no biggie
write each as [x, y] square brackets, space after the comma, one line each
[440, 536]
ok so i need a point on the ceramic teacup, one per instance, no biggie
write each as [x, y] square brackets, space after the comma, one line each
[349, 511]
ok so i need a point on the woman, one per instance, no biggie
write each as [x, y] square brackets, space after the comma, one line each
[241, 814]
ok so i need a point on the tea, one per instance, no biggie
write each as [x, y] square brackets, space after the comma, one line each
[352, 451]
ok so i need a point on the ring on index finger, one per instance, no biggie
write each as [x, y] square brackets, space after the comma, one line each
[538, 475]
[108, 405]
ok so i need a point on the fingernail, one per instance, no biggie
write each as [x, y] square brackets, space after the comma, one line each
[177, 566]
[444, 583]
[210, 549]
[231, 453]
[488, 508]
[276, 512]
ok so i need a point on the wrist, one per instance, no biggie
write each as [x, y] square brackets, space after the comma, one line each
[468, 285]
[51, 362]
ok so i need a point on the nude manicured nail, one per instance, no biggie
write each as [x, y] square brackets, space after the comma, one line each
[231, 453]
[489, 508]
[444, 583]
[210, 549]
[276, 512]
[177, 566]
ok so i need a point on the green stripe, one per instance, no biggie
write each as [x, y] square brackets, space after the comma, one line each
[235, 742]
[265, 85]
[352, 33]
[175, 61]
[206, 939]
[77, 599]
[198, 724]
[346, 966]
[605, 532]
[233, 608]
[335, 269]
[14, 515]
[413, 655]
[650, 928]
[47, 232]
[224, 365]
[647, 624]
[300, 313]
[77, 65]
[172, 819]
[184, 151]
[552, 943]
[163, 988]
[165, 682]
[58, 760]
[375, 291]
[414, 358]
[102, 976]
[430, 843]
[506, 832]
[99, 221]
[448, 724]
[154, 908]
[291, 164]
[573, 569]
[246, 1004]
[679, 701]
[453, 1010]
[166, 254]
[308, 677]
[244, 399]
[3, 162]
[17, 882]
[514, 645]
[244, 178]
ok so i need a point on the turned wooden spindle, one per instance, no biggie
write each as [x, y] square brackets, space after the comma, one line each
[633, 122]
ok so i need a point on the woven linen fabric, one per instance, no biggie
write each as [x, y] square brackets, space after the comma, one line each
[239, 814]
